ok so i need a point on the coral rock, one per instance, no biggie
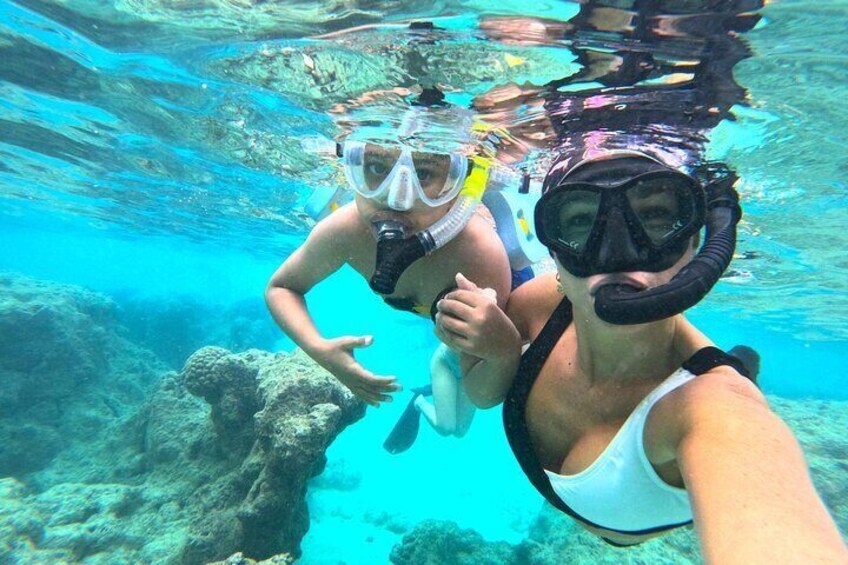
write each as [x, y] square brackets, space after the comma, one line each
[274, 417]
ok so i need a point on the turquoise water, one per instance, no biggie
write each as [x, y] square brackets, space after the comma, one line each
[149, 152]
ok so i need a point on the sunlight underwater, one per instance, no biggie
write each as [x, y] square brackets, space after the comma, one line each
[151, 412]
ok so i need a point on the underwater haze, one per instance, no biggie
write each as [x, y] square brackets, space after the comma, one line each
[152, 178]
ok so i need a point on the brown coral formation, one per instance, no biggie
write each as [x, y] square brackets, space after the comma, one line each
[273, 416]
[116, 460]
[184, 481]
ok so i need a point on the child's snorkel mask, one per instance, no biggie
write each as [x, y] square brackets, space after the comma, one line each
[398, 176]
[395, 176]
[629, 212]
[397, 249]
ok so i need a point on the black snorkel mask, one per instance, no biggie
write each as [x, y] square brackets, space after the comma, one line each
[629, 212]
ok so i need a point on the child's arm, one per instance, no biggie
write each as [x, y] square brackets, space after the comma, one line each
[470, 321]
[322, 254]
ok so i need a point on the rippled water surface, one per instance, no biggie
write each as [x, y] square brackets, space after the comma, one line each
[184, 119]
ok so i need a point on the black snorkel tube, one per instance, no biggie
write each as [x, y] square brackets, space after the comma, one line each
[395, 253]
[624, 305]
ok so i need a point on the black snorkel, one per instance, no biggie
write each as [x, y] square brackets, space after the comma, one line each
[395, 253]
[622, 304]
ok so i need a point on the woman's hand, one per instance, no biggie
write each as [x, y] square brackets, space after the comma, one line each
[469, 320]
[336, 355]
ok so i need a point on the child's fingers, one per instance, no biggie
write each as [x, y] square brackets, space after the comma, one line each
[490, 293]
[384, 384]
[453, 325]
[452, 340]
[374, 383]
[351, 342]
[468, 297]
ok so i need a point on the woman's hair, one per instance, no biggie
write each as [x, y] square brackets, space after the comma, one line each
[611, 169]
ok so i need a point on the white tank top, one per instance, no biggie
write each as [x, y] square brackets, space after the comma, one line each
[621, 490]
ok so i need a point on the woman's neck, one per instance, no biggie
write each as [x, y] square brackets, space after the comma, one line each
[640, 353]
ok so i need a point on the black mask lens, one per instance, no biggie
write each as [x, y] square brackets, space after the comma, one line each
[665, 207]
[570, 217]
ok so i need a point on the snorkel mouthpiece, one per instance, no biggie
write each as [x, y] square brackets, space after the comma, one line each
[395, 253]
[623, 305]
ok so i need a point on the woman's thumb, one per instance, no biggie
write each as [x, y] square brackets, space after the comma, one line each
[463, 283]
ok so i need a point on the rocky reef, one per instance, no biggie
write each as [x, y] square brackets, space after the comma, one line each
[273, 417]
[553, 539]
[434, 542]
[149, 466]
[240, 559]
[66, 371]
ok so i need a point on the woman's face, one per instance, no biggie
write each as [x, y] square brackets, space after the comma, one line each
[582, 290]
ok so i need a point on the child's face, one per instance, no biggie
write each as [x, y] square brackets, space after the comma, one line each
[431, 169]
[417, 218]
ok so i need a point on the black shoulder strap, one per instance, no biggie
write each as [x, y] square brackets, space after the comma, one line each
[515, 424]
[710, 357]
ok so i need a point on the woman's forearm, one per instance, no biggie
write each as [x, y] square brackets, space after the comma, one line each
[488, 380]
[752, 495]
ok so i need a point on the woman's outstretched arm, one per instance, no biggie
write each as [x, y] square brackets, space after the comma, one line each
[751, 493]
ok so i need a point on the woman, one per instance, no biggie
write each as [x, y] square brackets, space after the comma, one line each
[622, 413]
[414, 223]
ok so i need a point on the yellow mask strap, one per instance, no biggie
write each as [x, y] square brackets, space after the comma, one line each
[475, 183]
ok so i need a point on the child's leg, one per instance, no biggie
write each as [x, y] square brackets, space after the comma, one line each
[442, 414]
[465, 409]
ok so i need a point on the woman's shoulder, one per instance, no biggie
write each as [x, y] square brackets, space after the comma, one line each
[531, 304]
[714, 385]
[719, 396]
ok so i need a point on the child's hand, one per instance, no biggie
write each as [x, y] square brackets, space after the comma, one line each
[337, 357]
[469, 320]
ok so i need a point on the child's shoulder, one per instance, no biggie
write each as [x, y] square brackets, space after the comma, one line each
[340, 234]
[480, 238]
[344, 222]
